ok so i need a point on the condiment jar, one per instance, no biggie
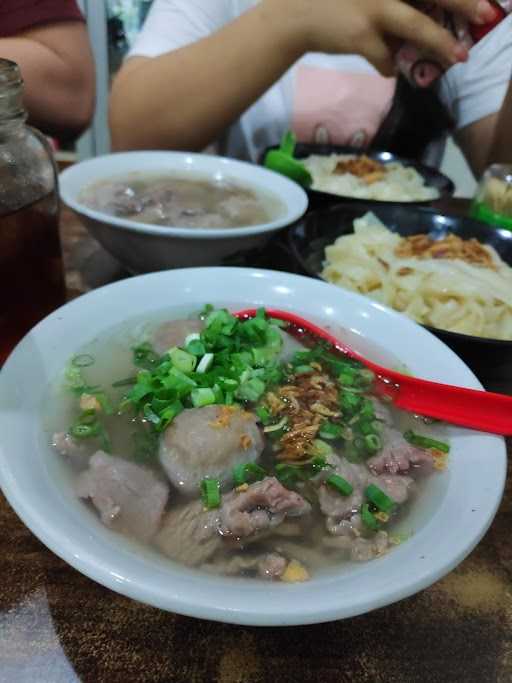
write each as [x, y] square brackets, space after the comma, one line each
[31, 274]
[493, 199]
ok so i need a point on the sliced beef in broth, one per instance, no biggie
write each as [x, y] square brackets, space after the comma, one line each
[398, 455]
[331, 503]
[264, 505]
[174, 333]
[208, 442]
[128, 497]
[189, 534]
[193, 535]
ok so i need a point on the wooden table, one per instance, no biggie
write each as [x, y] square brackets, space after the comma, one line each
[57, 626]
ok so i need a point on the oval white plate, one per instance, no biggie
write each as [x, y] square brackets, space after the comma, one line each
[448, 522]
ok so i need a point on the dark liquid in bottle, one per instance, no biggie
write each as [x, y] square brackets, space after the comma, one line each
[31, 274]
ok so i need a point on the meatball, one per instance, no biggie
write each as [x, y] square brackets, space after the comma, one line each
[174, 333]
[208, 442]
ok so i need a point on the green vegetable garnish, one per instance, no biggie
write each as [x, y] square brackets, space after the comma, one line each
[425, 442]
[202, 397]
[331, 430]
[182, 360]
[88, 426]
[231, 361]
[144, 356]
[210, 493]
[289, 475]
[368, 518]
[340, 484]
[381, 500]
[246, 472]
[373, 443]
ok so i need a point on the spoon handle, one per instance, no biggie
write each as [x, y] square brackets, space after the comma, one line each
[476, 409]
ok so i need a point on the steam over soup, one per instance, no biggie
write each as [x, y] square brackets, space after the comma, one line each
[191, 202]
[242, 447]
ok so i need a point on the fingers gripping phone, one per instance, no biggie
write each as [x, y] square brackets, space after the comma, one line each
[420, 68]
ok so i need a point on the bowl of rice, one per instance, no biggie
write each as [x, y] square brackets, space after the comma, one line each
[449, 273]
[343, 173]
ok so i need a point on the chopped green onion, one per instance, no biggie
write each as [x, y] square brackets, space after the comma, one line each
[331, 430]
[183, 361]
[202, 397]
[205, 363]
[244, 472]
[193, 336]
[303, 370]
[347, 379]
[341, 485]
[276, 427]
[349, 402]
[366, 377]
[263, 414]
[196, 347]
[144, 356]
[289, 475]
[365, 427]
[380, 499]
[369, 518]
[367, 410]
[210, 493]
[425, 442]
[373, 443]
[205, 311]
[319, 448]
[84, 431]
[170, 412]
[83, 360]
[251, 390]
[150, 415]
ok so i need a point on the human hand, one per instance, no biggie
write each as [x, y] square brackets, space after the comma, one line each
[375, 28]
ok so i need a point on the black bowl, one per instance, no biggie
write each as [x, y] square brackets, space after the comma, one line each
[319, 200]
[490, 359]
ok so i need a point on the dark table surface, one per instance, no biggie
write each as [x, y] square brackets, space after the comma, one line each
[59, 626]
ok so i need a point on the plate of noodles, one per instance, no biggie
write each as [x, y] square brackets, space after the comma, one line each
[380, 177]
[449, 273]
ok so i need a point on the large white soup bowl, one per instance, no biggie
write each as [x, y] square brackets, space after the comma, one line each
[447, 520]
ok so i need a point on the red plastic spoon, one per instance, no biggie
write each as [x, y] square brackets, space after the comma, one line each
[471, 408]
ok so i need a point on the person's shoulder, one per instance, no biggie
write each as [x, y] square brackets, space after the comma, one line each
[17, 16]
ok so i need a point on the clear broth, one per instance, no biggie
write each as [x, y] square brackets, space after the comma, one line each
[182, 201]
[113, 361]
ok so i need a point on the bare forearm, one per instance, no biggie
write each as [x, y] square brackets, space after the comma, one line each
[58, 92]
[501, 148]
[186, 98]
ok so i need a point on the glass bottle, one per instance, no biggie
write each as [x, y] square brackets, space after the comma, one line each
[493, 199]
[31, 273]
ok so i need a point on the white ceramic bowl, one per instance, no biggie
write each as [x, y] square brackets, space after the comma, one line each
[447, 521]
[144, 248]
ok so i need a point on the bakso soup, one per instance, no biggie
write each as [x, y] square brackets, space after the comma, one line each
[168, 200]
[242, 447]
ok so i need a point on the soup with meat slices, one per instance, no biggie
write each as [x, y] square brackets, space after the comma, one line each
[240, 446]
[183, 202]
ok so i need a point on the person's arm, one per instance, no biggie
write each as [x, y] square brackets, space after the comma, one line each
[58, 70]
[489, 140]
[185, 98]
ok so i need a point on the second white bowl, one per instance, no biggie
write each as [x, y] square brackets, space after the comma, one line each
[142, 247]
